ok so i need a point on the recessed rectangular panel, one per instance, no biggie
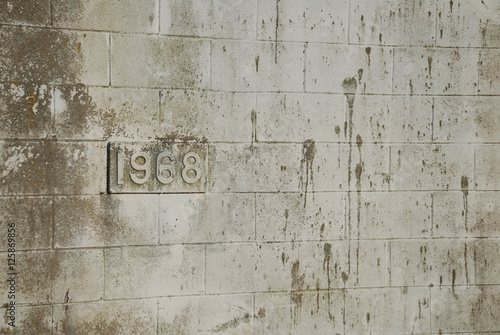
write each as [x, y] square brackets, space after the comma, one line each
[156, 167]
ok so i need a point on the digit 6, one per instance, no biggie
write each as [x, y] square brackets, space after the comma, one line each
[165, 167]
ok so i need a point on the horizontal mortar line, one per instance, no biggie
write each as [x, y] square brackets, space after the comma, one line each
[270, 41]
[166, 88]
[244, 293]
[262, 242]
[39, 196]
[267, 92]
[242, 192]
[249, 143]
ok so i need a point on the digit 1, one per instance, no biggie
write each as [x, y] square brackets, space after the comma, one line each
[119, 166]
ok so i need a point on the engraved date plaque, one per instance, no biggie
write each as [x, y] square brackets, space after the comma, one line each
[145, 167]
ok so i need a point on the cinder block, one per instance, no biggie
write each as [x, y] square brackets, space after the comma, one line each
[449, 214]
[210, 116]
[53, 56]
[379, 118]
[432, 167]
[235, 268]
[159, 61]
[465, 309]
[106, 113]
[106, 317]
[466, 214]
[435, 71]
[463, 23]
[323, 167]
[393, 22]
[488, 167]
[362, 70]
[489, 71]
[29, 320]
[390, 215]
[32, 12]
[254, 168]
[50, 167]
[388, 311]
[220, 19]
[318, 312]
[369, 263]
[26, 110]
[56, 276]
[310, 20]
[486, 255]
[206, 314]
[198, 218]
[318, 117]
[114, 15]
[257, 66]
[466, 119]
[369, 166]
[142, 272]
[300, 217]
[325, 265]
[431, 262]
[32, 218]
[106, 220]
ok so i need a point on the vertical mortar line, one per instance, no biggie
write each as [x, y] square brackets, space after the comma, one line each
[157, 316]
[205, 270]
[50, 13]
[255, 217]
[345, 217]
[392, 74]
[211, 65]
[159, 16]
[158, 217]
[52, 128]
[389, 169]
[256, 19]
[432, 121]
[304, 74]
[474, 173]
[432, 215]
[348, 23]
[53, 223]
[253, 313]
[390, 263]
[430, 309]
[435, 25]
[478, 71]
[159, 111]
[109, 58]
[104, 274]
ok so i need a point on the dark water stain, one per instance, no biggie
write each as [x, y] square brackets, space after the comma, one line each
[257, 63]
[253, 117]
[308, 152]
[465, 190]
[429, 61]
[234, 323]
[453, 277]
[286, 224]
[261, 313]
[358, 173]
[296, 293]
[465, 265]
[411, 87]
[326, 261]
[337, 130]
[368, 50]
[276, 31]
[451, 6]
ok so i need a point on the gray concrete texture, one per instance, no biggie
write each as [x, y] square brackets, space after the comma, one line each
[350, 168]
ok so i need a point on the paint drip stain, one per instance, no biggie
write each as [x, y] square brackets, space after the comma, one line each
[326, 261]
[296, 294]
[309, 152]
[465, 191]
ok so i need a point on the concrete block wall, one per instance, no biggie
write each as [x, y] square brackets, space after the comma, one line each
[353, 166]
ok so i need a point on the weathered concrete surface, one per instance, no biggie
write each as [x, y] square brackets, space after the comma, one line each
[352, 183]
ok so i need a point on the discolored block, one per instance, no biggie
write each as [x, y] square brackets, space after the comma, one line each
[198, 218]
[31, 12]
[140, 272]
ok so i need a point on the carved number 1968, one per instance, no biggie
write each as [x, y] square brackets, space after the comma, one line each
[165, 170]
